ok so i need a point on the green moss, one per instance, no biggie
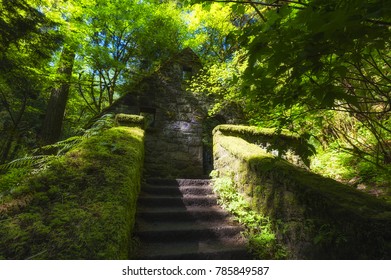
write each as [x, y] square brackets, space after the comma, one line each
[130, 120]
[346, 223]
[83, 206]
[345, 196]
[241, 148]
[12, 179]
[282, 141]
[255, 131]
[263, 243]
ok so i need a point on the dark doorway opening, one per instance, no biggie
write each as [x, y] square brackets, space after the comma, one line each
[207, 138]
[149, 115]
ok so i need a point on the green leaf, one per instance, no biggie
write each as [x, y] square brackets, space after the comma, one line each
[341, 70]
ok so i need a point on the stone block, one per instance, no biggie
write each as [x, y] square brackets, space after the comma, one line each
[196, 152]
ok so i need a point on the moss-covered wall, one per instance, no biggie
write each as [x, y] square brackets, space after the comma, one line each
[315, 217]
[130, 120]
[281, 143]
[81, 207]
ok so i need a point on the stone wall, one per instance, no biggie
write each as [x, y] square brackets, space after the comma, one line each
[173, 116]
[80, 207]
[314, 217]
[283, 144]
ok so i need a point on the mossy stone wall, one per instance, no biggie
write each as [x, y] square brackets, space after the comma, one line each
[130, 120]
[173, 139]
[82, 206]
[315, 217]
[281, 143]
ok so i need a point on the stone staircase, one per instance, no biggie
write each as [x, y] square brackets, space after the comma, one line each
[180, 219]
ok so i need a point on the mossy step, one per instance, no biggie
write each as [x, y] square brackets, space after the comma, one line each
[182, 214]
[176, 190]
[170, 201]
[150, 232]
[224, 250]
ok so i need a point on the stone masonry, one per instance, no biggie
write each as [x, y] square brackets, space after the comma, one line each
[173, 143]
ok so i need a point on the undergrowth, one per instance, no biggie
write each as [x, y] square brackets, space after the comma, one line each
[263, 243]
[42, 156]
[358, 173]
[13, 174]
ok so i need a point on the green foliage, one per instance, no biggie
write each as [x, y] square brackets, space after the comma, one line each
[210, 31]
[82, 206]
[317, 68]
[262, 240]
[104, 122]
[12, 179]
[116, 44]
[27, 43]
[357, 172]
[333, 164]
[221, 82]
[122, 45]
[27, 161]
[48, 153]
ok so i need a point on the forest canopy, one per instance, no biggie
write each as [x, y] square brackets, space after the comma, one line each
[317, 67]
[320, 68]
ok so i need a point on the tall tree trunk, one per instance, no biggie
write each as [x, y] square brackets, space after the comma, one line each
[52, 125]
[6, 150]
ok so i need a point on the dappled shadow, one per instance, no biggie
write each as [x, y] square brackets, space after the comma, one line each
[178, 219]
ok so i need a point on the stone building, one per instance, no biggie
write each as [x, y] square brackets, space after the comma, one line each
[173, 144]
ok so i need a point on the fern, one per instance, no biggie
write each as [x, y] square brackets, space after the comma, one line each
[105, 122]
[61, 146]
[27, 161]
[43, 155]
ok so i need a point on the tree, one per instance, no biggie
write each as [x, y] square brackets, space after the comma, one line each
[106, 47]
[52, 125]
[306, 57]
[123, 46]
[211, 31]
[27, 43]
[71, 19]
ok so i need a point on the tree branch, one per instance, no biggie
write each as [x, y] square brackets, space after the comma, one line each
[83, 96]
[274, 5]
[258, 12]
[378, 22]
[245, 2]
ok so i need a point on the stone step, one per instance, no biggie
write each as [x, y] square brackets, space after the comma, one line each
[176, 190]
[199, 250]
[174, 232]
[211, 213]
[176, 201]
[178, 182]
[180, 219]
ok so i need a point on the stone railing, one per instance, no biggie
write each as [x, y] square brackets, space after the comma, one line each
[130, 120]
[82, 205]
[315, 217]
[283, 144]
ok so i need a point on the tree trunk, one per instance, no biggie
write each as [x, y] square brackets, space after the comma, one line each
[6, 150]
[52, 125]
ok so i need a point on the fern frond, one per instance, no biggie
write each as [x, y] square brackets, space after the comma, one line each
[61, 147]
[26, 161]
